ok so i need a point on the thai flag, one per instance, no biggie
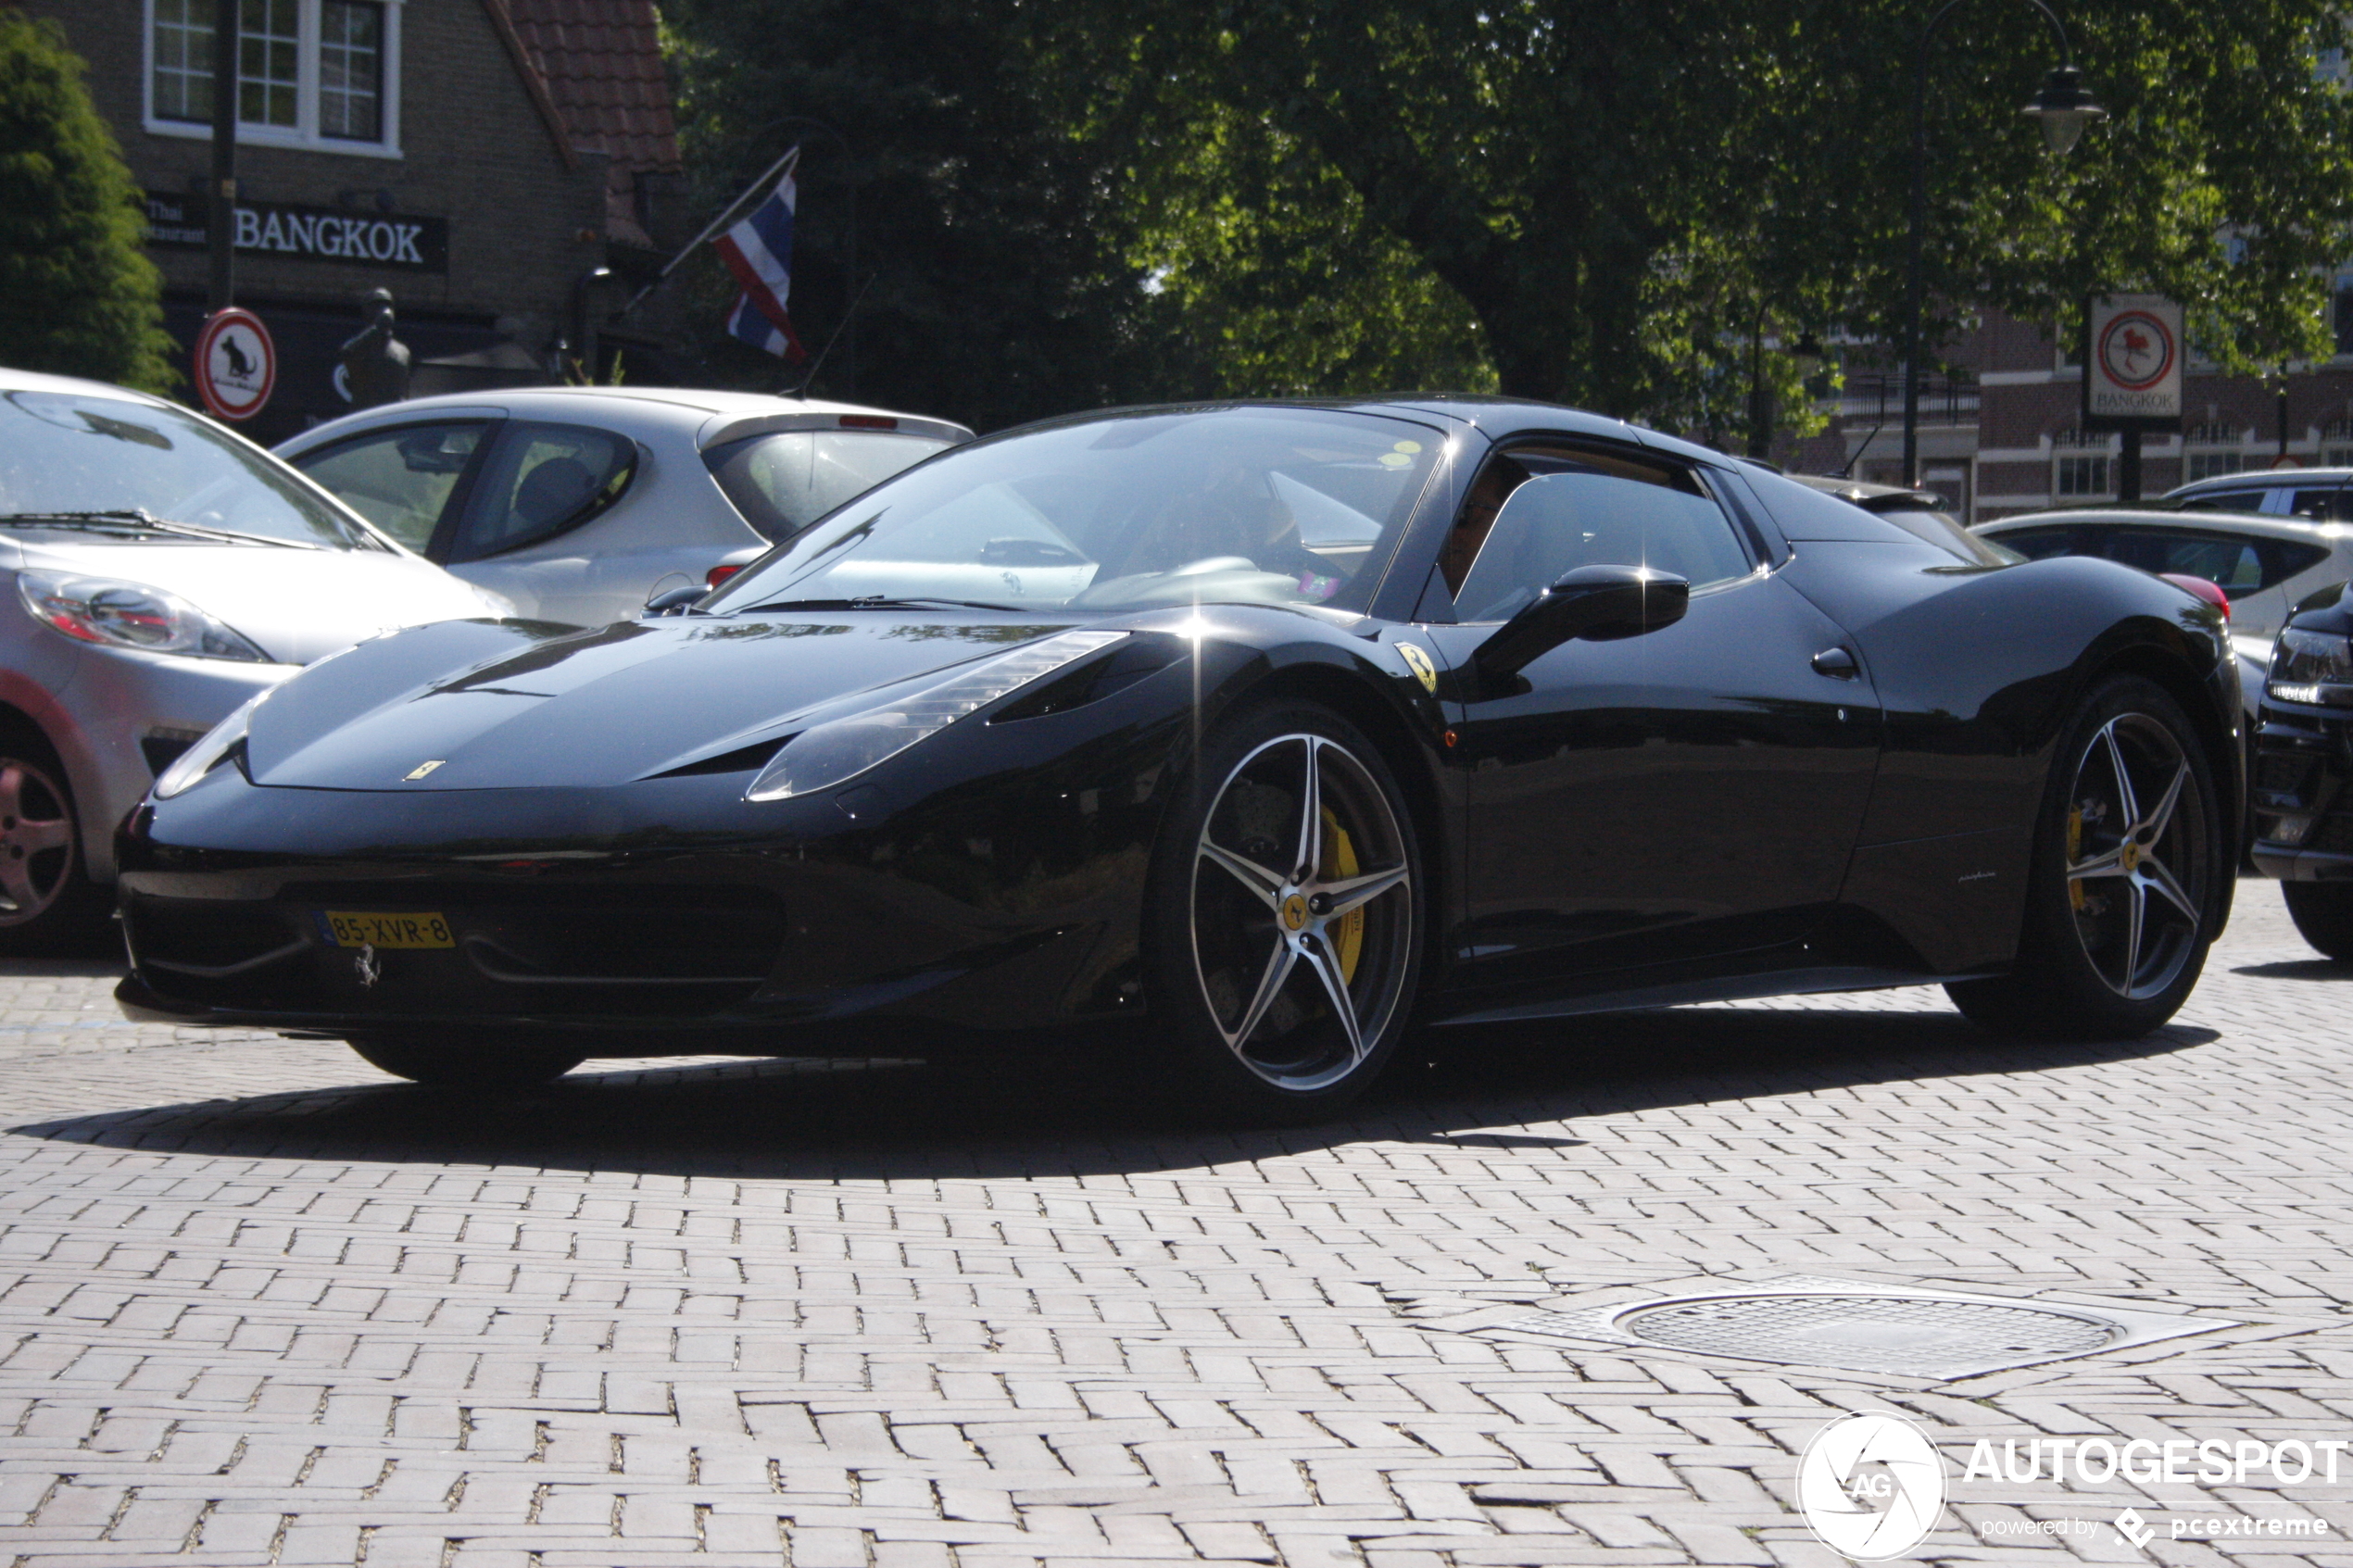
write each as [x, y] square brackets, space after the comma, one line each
[758, 252]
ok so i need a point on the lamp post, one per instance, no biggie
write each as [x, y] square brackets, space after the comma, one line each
[2063, 106]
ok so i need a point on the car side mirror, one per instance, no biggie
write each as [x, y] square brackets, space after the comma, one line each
[1590, 601]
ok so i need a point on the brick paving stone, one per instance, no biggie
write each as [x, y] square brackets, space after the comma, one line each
[259, 1304]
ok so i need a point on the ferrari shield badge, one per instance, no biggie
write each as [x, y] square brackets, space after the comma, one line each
[1419, 661]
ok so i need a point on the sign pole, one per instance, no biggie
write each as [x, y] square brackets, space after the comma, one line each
[2128, 468]
[222, 204]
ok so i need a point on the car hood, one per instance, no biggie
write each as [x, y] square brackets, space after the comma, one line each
[296, 606]
[508, 705]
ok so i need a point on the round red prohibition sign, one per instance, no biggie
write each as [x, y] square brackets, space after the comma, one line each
[2135, 350]
[236, 364]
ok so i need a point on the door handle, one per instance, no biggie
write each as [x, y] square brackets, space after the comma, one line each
[1837, 663]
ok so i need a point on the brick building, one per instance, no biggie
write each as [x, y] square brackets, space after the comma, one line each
[2002, 433]
[479, 158]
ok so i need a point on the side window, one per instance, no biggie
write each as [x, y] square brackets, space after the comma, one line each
[401, 480]
[1592, 510]
[2331, 505]
[539, 481]
[2041, 543]
[2241, 565]
[2224, 501]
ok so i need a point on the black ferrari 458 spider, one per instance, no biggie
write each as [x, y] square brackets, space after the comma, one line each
[1239, 739]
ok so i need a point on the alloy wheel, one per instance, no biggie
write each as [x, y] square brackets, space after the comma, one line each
[2137, 856]
[1302, 912]
[36, 842]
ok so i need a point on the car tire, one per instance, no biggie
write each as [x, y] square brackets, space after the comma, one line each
[46, 899]
[2128, 881]
[1283, 942]
[2323, 915]
[467, 1061]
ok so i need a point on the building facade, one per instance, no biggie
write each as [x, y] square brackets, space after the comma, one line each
[481, 159]
[2002, 432]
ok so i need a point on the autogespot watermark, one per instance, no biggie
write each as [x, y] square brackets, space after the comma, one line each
[1872, 1487]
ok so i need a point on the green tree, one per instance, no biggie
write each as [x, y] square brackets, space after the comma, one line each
[1631, 195]
[999, 288]
[77, 294]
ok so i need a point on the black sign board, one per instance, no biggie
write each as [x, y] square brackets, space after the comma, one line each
[399, 242]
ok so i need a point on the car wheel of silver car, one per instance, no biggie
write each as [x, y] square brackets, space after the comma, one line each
[43, 891]
[467, 1061]
[2129, 873]
[1284, 920]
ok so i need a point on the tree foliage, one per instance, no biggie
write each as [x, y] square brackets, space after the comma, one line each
[78, 296]
[1621, 204]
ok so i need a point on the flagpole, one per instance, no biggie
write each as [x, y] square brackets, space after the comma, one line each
[781, 166]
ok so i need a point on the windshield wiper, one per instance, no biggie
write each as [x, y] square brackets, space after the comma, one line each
[877, 601]
[139, 517]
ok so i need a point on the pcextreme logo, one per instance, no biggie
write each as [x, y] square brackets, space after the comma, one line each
[1871, 1486]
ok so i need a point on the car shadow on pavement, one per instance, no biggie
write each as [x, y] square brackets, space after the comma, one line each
[2297, 969]
[1065, 1114]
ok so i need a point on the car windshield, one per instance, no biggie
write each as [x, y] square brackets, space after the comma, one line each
[1220, 506]
[72, 452]
[787, 478]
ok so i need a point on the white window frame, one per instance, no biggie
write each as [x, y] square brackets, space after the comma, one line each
[305, 131]
[2100, 455]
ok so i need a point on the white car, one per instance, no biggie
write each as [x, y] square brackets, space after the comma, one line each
[579, 503]
[2264, 562]
[156, 571]
[2321, 494]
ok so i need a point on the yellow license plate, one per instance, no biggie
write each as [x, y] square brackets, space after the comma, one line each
[360, 929]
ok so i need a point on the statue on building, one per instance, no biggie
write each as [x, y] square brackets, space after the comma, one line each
[375, 363]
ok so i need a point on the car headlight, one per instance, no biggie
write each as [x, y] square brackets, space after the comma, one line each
[209, 753]
[2313, 667]
[826, 754]
[114, 613]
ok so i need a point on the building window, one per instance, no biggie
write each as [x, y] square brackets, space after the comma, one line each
[2077, 472]
[2086, 475]
[268, 63]
[182, 42]
[309, 72]
[2223, 454]
[351, 68]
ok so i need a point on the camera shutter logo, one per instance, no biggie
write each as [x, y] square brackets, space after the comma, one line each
[1871, 1486]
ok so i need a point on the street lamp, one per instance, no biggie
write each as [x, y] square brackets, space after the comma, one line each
[2063, 106]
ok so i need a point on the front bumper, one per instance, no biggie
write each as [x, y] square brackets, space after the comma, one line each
[662, 915]
[2298, 792]
[123, 715]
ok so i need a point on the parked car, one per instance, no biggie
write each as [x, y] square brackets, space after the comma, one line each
[2264, 562]
[577, 502]
[2321, 494]
[1239, 739]
[2302, 765]
[158, 572]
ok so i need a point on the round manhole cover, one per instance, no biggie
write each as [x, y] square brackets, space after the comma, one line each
[1917, 1336]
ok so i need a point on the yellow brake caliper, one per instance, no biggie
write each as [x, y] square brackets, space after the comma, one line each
[1340, 860]
[2075, 853]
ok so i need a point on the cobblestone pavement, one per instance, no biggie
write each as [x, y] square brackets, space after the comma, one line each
[260, 1305]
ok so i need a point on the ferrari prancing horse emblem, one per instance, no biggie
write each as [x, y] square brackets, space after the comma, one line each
[365, 963]
[1419, 661]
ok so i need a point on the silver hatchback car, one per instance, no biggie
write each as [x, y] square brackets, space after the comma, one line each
[156, 571]
[578, 503]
